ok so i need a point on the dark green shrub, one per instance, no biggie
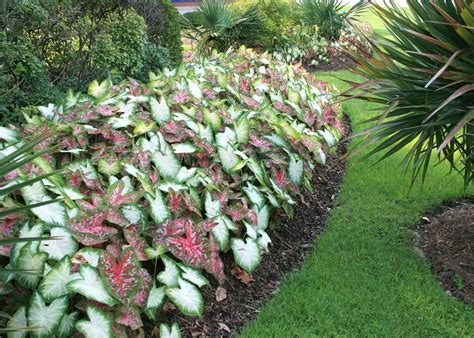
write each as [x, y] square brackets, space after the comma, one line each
[424, 74]
[163, 25]
[278, 17]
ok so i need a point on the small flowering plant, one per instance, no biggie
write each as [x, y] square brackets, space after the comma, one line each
[160, 180]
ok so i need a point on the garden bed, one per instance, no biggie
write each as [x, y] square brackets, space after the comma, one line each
[292, 242]
[446, 238]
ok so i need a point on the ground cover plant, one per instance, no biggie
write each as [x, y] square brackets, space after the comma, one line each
[160, 180]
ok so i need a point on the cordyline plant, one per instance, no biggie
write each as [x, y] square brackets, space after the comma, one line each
[176, 172]
[425, 76]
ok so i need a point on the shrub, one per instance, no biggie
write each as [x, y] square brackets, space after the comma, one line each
[328, 15]
[163, 25]
[195, 163]
[278, 17]
[424, 76]
[216, 25]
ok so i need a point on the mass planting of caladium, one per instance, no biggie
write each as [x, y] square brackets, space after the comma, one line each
[177, 172]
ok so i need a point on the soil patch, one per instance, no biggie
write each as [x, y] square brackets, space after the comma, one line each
[341, 62]
[227, 309]
[447, 240]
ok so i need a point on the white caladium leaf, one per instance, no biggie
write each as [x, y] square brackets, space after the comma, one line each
[119, 122]
[48, 112]
[72, 193]
[193, 275]
[67, 325]
[320, 156]
[133, 214]
[225, 138]
[45, 319]
[242, 128]
[33, 266]
[250, 230]
[185, 174]
[167, 163]
[254, 195]
[152, 145]
[53, 213]
[18, 323]
[160, 112]
[54, 284]
[158, 209]
[184, 148]
[212, 119]
[221, 232]
[263, 240]
[8, 135]
[85, 167]
[246, 254]
[295, 170]
[101, 90]
[98, 325]
[263, 216]
[170, 276]
[166, 186]
[88, 283]
[170, 332]
[58, 248]
[26, 231]
[228, 158]
[87, 256]
[278, 141]
[206, 133]
[273, 200]
[187, 298]
[156, 299]
[194, 89]
[212, 206]
[109, 167]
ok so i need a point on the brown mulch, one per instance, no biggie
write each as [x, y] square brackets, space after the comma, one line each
[335, 64]
[447, 240]
[240, 300]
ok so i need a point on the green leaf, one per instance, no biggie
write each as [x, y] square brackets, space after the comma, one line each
[109, 168]
[45, 318]
[242, 128]
[88, 283]
[187, 298]
[246, 254]
[212, 119]
[98, 325]
[99, 91]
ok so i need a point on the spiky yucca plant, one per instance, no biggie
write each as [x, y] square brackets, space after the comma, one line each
[425, 76]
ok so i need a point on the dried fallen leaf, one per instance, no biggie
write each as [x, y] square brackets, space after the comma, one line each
[221, 294]
[240, 274]
[223, 327]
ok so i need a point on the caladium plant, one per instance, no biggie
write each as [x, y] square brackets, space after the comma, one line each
[179, 171]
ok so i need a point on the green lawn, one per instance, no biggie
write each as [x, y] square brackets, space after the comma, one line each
[363, 277]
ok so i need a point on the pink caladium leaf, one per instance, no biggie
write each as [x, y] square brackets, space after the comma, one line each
[237, 213]
[105, 110]
[115, 136]
[192, 248]
[114, 249]
[259, 143]
[214, 265]
[114, 216]
[133, 238]
[170, 228]
[122, 276]
[175, 202]
[129, 316]
[88, 229]
[280, 178]
[119, 330]
[141, 297]
[93, 205]
[115, 196]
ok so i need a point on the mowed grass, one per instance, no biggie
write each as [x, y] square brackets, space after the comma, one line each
[363, 277]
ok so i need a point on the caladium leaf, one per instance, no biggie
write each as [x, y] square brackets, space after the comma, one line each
[101, 90]
[171, 274]
[242, 129]
[109, 166]
[194, 89]
[263, 240]
[18, 323]
[193, 275]
[158, 209]
[212, 119]
[53, 213]
[246, 254]
[170, 332]
[58, 248]
[254, 195]
[221, 231]
[67, 324]
[26, 231]
[295, 170]
[54, 284]
[116, 197]
[98, 325]
[123, 276]
[33, 266]
[87, 256]
[129, 316]
[263, 216]
[133, 214]
[156, 298]
[159, 110]
[8, 135]
[45, 319]
[185, 174]
[167, 163]
[88, 229]
[228, 158]
[141, 296]
[88, 283]
[184, 148]
[214, 265]
[212, 206]
[187, 298]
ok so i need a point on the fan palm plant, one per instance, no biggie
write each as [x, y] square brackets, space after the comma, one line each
[216, 25]
[330, 16]
[425, 76]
